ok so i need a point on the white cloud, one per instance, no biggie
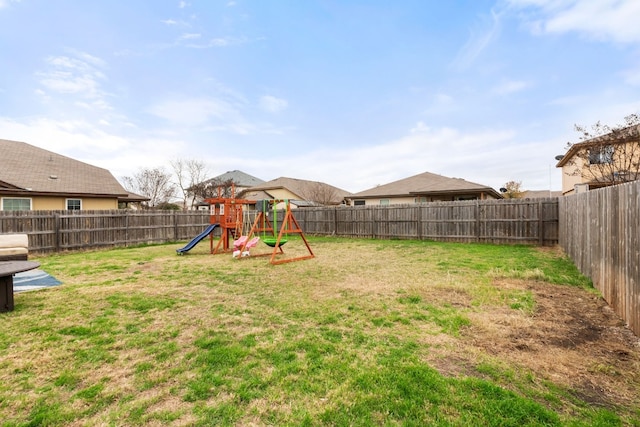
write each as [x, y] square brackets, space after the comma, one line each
[194, 111]
[6, 3]
[479, 40]
[226, 41]
[61, 136]
[190, 36]
[83, 141]
[489, 157]
[183, 4]
[272, 104]
[78, 75]
[509, 87]
[570, 100]
[441, 103]
[632, 76]
[611, 20]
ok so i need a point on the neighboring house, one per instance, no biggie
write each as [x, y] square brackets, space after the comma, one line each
[421, 188]
[300, 192]
[240, 180]
[598, 162]
[539, 194]
[132, 201]
[32, 178]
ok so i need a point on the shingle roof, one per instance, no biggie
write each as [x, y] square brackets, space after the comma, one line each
[26, 167]
[425, 183]
[239, 178]
[302, 188]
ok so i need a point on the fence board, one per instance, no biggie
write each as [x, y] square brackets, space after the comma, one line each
[523, 221]
[528, 221]
[599, 232]
[51, 231]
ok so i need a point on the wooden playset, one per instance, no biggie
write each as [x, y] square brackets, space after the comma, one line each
[231, 214]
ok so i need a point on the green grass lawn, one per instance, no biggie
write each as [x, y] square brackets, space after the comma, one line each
[367, 333]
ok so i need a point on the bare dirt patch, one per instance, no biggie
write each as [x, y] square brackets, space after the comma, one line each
[572, 338]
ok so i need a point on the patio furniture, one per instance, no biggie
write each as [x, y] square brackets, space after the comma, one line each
[7, 270]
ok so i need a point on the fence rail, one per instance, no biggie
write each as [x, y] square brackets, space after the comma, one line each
[528, 221]
[53, 231]
[600, 231]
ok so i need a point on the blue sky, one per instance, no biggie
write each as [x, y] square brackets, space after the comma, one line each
[354, 93]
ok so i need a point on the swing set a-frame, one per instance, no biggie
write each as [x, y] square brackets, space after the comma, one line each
[227, 213]
[263, 227]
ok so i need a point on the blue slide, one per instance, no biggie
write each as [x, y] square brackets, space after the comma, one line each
[197, 239]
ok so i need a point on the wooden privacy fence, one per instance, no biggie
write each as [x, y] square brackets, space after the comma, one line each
[600, 231]
[53, 231]
[519, 221]
[528, 221]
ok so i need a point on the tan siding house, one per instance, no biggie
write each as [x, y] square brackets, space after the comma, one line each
[294, 189]
[422, 188]
[32, 178]
[606, 160]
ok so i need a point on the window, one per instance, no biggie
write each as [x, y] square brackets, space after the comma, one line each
[601, 155]
[74, 204]
[358, 203]
[420, 200]
[16, 204]
[384, 202]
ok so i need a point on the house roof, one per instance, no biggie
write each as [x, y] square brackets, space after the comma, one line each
[32, 170]
[133, 197]
[617, 136]
[250, 194]
[302, 189]
[536, 194]
[425, 183]
[239, 178]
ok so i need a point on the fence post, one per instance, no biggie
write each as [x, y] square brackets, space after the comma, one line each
[56, 232]
[540, 223]
[126, 228]
[175, 226]
[419, 221]
[476, 212]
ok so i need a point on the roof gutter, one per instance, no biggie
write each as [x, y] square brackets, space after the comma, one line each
[25, 192]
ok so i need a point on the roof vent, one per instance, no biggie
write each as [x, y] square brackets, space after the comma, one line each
[53, 176]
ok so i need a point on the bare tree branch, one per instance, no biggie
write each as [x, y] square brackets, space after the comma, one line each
[607, 155]
[320, 193]
[188, 172]
[152, 183]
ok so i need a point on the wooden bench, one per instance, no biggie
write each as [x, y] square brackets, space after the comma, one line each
[14, 247]
[7, 270]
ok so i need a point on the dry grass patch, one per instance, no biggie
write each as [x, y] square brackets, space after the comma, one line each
[368, 332]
